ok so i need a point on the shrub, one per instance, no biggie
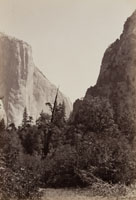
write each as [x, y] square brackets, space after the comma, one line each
[60, 168]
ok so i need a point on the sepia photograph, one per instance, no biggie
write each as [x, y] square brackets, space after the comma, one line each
[67, 99]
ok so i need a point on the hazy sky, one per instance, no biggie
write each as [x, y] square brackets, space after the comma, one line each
[68, 37]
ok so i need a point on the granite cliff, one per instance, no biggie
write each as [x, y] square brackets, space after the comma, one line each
[2, 112]
[117, 78]
[22, 84]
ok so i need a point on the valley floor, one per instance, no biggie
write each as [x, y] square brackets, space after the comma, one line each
[64, 194]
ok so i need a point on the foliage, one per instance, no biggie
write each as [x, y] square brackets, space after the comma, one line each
[60, 168]
[90, 149]
[17, 180]
[103, 150]
[2, 125]
[95, 115]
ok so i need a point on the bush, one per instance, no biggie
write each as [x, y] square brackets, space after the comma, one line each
[60, 168]
[19, 177]
[103, 150]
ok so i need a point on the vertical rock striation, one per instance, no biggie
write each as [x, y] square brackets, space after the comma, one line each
[22, 84]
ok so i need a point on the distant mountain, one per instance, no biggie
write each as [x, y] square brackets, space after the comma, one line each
[22, 84]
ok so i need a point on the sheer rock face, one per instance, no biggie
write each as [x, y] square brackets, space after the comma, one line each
[2, 112]
[22, 84]
[117, 78]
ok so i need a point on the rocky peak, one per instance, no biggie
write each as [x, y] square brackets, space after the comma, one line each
[119, 61]
[117, 78]
[130, 25]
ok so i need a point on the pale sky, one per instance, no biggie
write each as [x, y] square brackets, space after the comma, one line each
[68, 37]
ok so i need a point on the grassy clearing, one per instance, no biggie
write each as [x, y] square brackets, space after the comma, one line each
[78, 194]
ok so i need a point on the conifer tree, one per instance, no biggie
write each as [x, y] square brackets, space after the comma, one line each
[48, 134]
[2, 125]
[25, 118]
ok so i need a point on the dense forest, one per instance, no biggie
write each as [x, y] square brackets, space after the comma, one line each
[87, 148]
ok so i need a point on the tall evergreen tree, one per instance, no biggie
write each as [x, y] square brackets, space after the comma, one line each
[25, 118]
[2, 125]
[48, 134]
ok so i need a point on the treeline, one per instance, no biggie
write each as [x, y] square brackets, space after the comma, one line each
[88, 147]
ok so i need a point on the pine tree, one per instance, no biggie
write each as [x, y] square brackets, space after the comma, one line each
[25, 118]
[49, 132]
[60, 115]
[2, 125]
